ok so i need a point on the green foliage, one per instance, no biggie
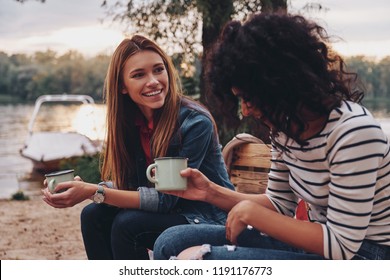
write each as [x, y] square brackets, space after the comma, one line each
[9, 99]
[185, 29]
[374, 76]
[19, 195]
[87, 167]
[184, 26]
[188, 28]
[24, 77]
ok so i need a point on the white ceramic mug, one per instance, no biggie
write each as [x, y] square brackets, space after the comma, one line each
[54, 178]
[167, 173]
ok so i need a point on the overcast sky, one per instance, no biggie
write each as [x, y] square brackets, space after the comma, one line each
[364, 25]
[56, 24]
[61, 25]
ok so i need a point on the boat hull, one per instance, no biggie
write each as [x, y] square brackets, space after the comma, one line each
[47, 149]
[46, 166]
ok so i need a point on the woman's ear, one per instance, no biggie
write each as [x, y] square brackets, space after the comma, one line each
[124, 91]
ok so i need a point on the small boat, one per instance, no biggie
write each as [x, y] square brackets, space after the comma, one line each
[47, 148]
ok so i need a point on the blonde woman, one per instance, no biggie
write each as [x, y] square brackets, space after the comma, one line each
[147, 117]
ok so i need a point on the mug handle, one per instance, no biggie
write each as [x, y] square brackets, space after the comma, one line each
[51, 185]
[148, 170]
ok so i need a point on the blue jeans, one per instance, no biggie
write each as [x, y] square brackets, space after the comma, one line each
[251, 245]
[115, 233]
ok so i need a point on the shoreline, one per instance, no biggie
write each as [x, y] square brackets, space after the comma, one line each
[33, 230]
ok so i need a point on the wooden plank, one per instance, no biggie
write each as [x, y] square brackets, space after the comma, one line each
[249, 181]
[250, 166]
[249, 171]
[256, 155]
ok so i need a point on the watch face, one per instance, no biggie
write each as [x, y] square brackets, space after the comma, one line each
[98, 198]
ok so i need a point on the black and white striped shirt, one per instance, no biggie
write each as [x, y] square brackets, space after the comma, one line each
[344, 175]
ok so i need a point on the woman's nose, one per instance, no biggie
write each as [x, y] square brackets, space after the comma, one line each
[152, 82]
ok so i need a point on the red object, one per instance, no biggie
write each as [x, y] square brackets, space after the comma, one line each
[301, 212]
[146, 132]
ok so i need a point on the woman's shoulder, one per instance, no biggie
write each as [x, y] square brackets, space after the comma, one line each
[193, 117]
[354, 118]
[189, 107]
[348, 112]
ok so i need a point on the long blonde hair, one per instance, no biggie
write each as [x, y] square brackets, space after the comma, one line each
[119, 154]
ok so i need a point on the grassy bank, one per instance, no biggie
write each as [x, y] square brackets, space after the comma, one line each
[9, 99]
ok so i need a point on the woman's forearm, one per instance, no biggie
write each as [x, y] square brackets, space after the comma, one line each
[226, 199]
[121, 198]
[301, 234]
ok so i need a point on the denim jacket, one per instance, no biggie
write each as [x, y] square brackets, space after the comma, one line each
[196, 140]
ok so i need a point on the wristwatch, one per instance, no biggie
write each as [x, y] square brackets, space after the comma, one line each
[99, 195]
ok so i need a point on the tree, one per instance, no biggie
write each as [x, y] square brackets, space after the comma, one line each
[5, 74]
[187, 27]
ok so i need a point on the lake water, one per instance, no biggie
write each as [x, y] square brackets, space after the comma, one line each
[15, 171]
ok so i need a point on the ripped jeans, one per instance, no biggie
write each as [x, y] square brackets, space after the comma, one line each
[252, 245]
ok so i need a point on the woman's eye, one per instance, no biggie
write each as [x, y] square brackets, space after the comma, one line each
[137, 75]
[159, 69]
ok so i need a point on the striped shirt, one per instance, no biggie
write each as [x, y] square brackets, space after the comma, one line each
[344, 175]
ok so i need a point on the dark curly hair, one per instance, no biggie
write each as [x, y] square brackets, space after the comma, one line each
[282, 64]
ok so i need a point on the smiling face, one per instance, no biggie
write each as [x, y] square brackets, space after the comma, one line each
[145, 80]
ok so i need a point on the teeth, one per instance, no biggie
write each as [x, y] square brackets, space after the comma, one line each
[152, 93]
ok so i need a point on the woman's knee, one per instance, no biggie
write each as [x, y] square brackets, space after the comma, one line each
[168, 243]
[130, 222]
[194, 253]
[178, 238]
[97, 215]
[204, 251]
[89, 213]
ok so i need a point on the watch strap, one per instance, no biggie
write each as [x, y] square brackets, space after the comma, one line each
[100, 189]
[99, 195]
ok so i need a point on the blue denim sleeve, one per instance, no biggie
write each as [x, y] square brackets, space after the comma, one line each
[154, 201]
[149, 199]
[196, 135]
[108, 184]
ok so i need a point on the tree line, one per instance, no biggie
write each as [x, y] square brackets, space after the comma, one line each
[375, 78]
[25, 77]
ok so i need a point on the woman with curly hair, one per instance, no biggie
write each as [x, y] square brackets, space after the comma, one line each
[147, 117]
[327, 149]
